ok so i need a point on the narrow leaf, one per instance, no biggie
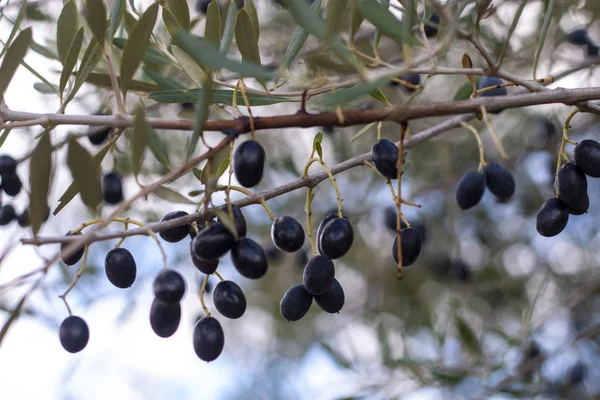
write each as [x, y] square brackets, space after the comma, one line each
[116, 17]
[337, 14]
[356, 20]
[251, 10]
[379, 15]
[13, 57]
[91, 57]
[220, 96]
[467, 63]
[163, 82]
[66, 29]
[317, 147]
[364, 130]
[222, 168]
[190, 67]
[86, 174]
[378, 95]
[204, 53]
[318, 138]
[229, 26]
[16, 26]
[181, 12]
[71, 59]
[201, 116]
[212, 29]
[246, 39]
[226, 220]
[306, 17]
[343, 96]
[136, 45]
[139, 140]
[157, 148]
[467, 336]
[152, 55]
[542, 38]
[95, 15]
[103, 80]
[197, 173]
[40, 169]
[170, 22]
[172, 196]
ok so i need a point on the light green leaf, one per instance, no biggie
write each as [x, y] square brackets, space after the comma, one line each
[219, 97]
[72, 190]
[163, 81]
[158, 148]
[95, 15]
[226, 220]
[4, 136]
[223, 167]
[337, 15]
[319, 150]
[378, 95]
[171, 195]
[71, 59]
[86, 174]
[152, 55]
[246, 39]
[91, 57]
[40, 169]
[136, 45]
[356, 20]
[344, 96]
[13, 57]
[464, 92]
[204, 53]
[318, 137]
[103, 80]
[212, 29]
[251, 10]
[181, 12]
[195, 193]
[197, 173]
[201, 116]
[542, 39]
[116, 17]
[16, 25]
[45, 88]
[306, 17]
[139, 140]
[385, 21]
[66, 29]
[190, 67]
[229, 26]
[364, 130]
[171, 22]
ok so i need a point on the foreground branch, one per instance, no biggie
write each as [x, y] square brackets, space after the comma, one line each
[398, 114]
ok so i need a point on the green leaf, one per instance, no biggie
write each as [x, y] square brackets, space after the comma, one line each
[212, 29]
[40, 169]
[86, 174]
[362, 131]
[246, 39]
[251, 10]
[13, 57]
[356, 20]
[204, 53]
[337, 14]
[103, 80]
[4, 136]
[319, 150]
[542, 39]
[136, 45]
[91, 57]
[464, 92]
[229, 26]
[181, 12]
[344, 96]
[171, 196]
[171, 22]
[226, 220]
[66, 29]
[223, 167]
[164, 82]
[44, 88]
[467, 336]
[201, 116]
[95, 15]
[197, 173]
[139, 140]
[72, 190]
[158, 148]
[71, 60]
[379, 15]
[318, 138]
[152, 55]
[190, 67]
[116, 17]
[219, 97]
[306, 17]
[195, 193]
[16, 25]
[378, 95]
[448, 377]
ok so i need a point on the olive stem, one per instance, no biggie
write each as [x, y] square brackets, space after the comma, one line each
[549, 79]
[308, 210]
[495, 137]
[247, 102]
[389, 183]
[397, 200]
[202, 291]
[218, 275]
[565, 139]
[331, 178]
[67, 305]
[482, 162]
[120, 242]
[247, 192]
[228, 191]
[79, 274]
[379, 125]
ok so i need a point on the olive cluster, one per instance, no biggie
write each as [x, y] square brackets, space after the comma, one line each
[571, 189]
[580, 37]
[471, 186]
[11, 185]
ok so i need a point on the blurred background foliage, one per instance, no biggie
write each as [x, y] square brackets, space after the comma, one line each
[490, 310]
